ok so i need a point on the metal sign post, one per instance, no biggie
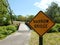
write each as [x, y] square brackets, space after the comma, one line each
[41, 40]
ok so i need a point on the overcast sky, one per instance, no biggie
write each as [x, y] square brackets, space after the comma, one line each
[30, 7]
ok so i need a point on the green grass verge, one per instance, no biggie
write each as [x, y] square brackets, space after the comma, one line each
[48, 39]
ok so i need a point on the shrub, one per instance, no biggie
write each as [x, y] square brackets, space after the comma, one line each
[12, 28]
[2, 36]
[3, 30]
[58, 29]
[7, 30]
[17, 26]
[52, 30]
[55, 28]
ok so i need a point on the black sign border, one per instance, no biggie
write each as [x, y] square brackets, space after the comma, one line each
[47, 29]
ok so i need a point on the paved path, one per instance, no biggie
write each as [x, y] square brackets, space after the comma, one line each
[23, 27]
[18, 38]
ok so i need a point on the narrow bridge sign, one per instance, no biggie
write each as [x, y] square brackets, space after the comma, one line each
[41, 23]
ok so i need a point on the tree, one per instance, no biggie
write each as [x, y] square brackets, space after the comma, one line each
[4, 12]
[14, 17]
[53, 11]
[29, 18]
[10, 12]
[21, 18]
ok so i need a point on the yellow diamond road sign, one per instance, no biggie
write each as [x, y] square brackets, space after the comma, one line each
[41, 23]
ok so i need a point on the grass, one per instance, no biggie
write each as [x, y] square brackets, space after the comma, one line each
[34, 39]
[48, 39]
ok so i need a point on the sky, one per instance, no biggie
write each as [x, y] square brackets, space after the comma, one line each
[30, 7]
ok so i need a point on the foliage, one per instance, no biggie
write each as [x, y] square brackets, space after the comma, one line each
[24, 18]
[14, 17]
[4, 12]
[53, 11]
[55, 28]
[21, 18]
[29, 17]
[11, 27]
[3, 32]
[7, 30]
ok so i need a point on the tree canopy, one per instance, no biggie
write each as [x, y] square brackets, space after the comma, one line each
[4, 12]
[53, 11]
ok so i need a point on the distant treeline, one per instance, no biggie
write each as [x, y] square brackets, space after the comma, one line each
[22, 18]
